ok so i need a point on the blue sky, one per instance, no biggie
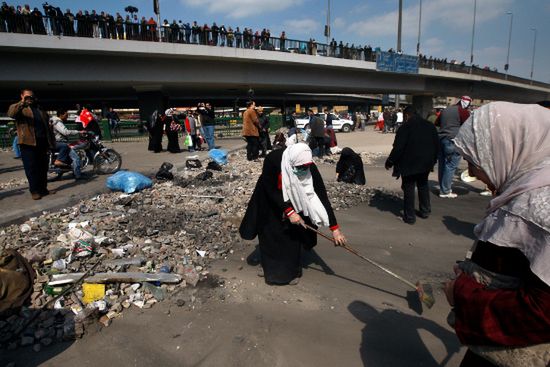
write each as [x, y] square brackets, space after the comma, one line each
[446, 24]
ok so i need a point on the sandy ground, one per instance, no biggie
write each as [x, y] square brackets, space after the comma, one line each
[344, 312]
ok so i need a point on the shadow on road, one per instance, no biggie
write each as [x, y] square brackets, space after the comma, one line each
[11, 169]
[459, 227]
[13, 192]
[388, 331]
[57, 329]
[387, 203]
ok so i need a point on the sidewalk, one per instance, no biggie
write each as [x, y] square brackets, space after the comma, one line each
[17, 204]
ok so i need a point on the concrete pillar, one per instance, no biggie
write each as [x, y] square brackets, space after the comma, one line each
[149, 101]
[423, 104]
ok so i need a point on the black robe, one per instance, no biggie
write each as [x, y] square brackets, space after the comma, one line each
[350, 167]
[156, 130]
[280, 241]
[173, 136]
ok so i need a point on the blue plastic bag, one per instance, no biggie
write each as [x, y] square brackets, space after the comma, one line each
[219, 156]
[129, 182]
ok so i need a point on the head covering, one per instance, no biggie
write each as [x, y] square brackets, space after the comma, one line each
[170, 111]
[465, 101]
[511, 143]
[300, 190]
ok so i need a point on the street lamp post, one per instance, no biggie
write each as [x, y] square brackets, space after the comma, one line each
[473, 34]
[419, 28]
[399, 23]
[507, 66]
[534, 49]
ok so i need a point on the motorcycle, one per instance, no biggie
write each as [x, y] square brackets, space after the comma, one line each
[90, 150]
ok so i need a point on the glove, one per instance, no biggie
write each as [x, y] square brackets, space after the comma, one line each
[388, 164]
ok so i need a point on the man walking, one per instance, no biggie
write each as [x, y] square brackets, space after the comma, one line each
[317, 126]
[35, 139]
[251, 128]
[450, 121]
[413, 156]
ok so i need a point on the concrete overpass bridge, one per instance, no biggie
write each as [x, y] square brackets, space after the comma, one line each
[148, 74]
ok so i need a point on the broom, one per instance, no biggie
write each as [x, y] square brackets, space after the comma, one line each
[424, 291]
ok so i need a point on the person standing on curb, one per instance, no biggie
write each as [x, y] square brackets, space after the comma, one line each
[35, 139]
[265, 142]
[449, 122]
[251, 129]
[413, 156]
[208, 122]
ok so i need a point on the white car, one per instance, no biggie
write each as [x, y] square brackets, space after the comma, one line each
[338, 124]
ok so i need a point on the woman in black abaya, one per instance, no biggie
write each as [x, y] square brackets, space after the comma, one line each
[350, 168]
[289, 193]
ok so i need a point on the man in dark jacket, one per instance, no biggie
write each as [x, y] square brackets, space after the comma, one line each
[35, 139]
[413, 156]
[317, 126]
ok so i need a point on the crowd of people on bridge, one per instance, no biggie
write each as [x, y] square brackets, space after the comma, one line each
[84, 23]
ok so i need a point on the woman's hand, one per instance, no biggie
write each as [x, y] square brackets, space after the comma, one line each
[296, 219]
[339, 238]
[450, 287]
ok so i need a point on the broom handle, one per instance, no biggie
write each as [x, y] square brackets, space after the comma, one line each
[372, 262]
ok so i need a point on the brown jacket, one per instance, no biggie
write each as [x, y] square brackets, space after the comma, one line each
[24, 120]
[250, 123]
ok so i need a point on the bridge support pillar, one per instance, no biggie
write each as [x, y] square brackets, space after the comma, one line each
[149, 101]
[423, 105]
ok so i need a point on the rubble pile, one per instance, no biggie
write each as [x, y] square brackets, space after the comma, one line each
[116, 251]
[13, 183]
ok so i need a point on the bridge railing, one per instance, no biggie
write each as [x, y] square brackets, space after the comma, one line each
[98, 27]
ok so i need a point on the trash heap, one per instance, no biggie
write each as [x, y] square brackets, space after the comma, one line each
[116, 250]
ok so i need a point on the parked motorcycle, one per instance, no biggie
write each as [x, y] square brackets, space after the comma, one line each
[90, 150]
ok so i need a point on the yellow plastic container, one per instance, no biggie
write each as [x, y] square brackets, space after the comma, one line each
[93, 292]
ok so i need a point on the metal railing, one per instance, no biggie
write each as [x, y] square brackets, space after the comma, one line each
[93, 26]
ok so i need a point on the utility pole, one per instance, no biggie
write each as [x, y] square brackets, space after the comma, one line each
[419, 28]
[473, 35]
[327, 27]
[507, 66]
[534, 50]
[399, 23]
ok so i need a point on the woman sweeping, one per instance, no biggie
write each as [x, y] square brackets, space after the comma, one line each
[501, 296]
[290, 193]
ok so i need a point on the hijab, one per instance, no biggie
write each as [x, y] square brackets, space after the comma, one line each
[300, 190]
[511, 143]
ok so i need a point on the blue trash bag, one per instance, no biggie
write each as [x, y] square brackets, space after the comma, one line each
[129, 182]
[219, 156]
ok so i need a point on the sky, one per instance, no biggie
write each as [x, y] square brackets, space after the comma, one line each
[446, 27]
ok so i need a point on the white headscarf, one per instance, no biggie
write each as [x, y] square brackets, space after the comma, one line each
[511, 143]
[300, 190]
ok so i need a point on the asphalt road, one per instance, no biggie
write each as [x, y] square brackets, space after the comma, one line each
[344, 312]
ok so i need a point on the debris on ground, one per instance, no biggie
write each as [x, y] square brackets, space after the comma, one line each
[115, 251]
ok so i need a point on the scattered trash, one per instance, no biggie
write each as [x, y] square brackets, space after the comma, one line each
[92, 292]
[203, 176]
[193, 163]
[133, 277]
[129, 182]
[212, 165]
[25, 228]
[164, 172]
[219, 156]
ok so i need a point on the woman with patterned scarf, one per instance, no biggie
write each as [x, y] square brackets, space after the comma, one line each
[501, 296]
